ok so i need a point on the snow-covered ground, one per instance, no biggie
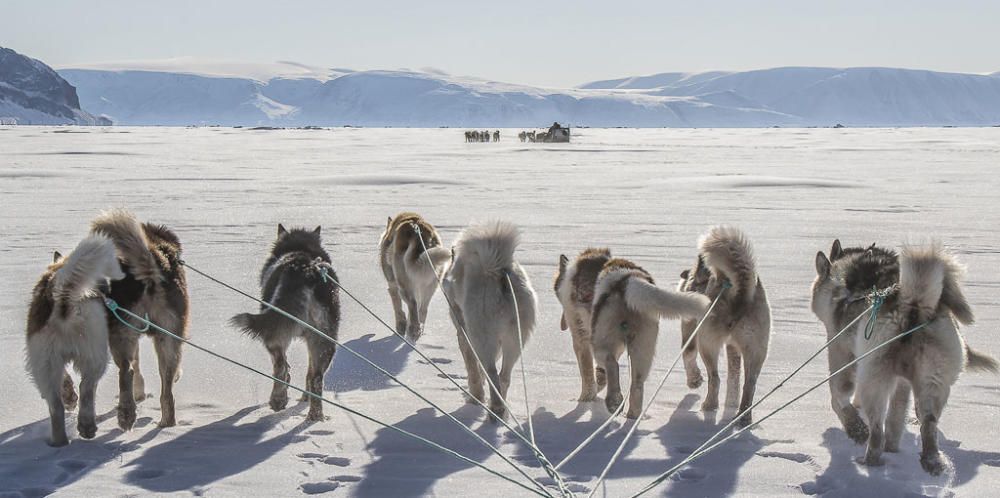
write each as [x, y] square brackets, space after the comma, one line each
[647, 194]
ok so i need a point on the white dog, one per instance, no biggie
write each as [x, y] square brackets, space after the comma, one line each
[484, 306]
[67, 321]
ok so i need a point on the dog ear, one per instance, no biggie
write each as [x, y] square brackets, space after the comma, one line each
[685, 274]
[823, 265]
[563, 261]
[836, 251]
[317, 230]
[56, 256]
[281, 230]
[388, 222]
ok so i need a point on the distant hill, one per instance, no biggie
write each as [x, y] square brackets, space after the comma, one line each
[863, 96]
[187, 91]
[33, 93]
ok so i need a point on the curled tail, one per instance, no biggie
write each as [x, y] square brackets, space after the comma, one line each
[90, 264]
[727, 253]
[129, 237]
[980, 362]
[490, 246]
[646, 297]
[929, 279]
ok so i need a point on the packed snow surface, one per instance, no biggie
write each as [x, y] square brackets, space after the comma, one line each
[647, 194]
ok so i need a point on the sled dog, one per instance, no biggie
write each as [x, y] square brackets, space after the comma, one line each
[626, 314]
[67, 322]
[408, 269]
[574, 287]
[154, 286]
[484, 306]
[299, 279]
[927, 362]
[740, 321]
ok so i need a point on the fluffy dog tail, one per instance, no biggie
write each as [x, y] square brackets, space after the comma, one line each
[728, 253]
[929, 280]
[980, 362]
[259, 325]
[88, 266]
[129, 237]
[490, 245]
[645, 297]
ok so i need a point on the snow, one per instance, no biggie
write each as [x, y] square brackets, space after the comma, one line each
[217, 68]
[647, 194]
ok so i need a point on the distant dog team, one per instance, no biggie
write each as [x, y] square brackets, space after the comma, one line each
[610, 306]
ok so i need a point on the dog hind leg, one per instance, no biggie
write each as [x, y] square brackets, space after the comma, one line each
[397, 309]
[842, 390]
[320, 357]
[124, 350]
[279, 393]
[585, 361]
[895, 422]
[640, 353]
[734, 365]
[472, 370]
[753, 362]
[694, 377]
[874, 394]
[69, 397]
[930, 401]
[710, 357]
[168, 357]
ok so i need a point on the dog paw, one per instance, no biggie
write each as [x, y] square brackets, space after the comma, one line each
[401, 328]
[167, 422]
[588, 393]
[633, 412]
[87, 429]
[932, 463]
[414, 333]
[315, 416]
[602, 377]
[857, 431]
[744, 421]
[58, 440]
[613, 401]
[695, 381]
[278, 402]
[126, 417]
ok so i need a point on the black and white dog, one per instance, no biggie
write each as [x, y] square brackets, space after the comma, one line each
[299, 279]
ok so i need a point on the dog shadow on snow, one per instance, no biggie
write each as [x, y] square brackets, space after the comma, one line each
[349, 373]
[715, 474]
[403, 467]
[215, 451]
[33, 468]
[900, 469]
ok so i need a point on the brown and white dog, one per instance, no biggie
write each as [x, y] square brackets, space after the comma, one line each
[408, 273]
[67, 322]
[155, 286]
[626, 315]
[574, 287]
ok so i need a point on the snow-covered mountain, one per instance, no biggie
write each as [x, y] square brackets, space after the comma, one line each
[852, 96]
[196, 92]
[383, 98]
[33, 93]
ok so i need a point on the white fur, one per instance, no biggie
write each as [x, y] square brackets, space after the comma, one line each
[477, 286]
[81, 337]
[645, 297]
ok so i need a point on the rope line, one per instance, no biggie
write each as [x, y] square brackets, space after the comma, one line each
[112, 305]
[520, 359]
[664, 476]
[649, 404]
[383, 371]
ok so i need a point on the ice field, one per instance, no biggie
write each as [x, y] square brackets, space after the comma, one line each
[647, 194]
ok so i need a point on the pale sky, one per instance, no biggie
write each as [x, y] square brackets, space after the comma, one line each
[542, 42]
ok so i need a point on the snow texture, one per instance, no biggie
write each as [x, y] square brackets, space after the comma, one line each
[647, 194]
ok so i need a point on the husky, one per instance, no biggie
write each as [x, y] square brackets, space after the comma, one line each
[843, 281]
[410, 272]
[299, 279]
[626, 314]
[483, 306]
[692, 280]
[67, 322]
[154, 285]
[574, 287]
[741, 320]
[928, 362]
